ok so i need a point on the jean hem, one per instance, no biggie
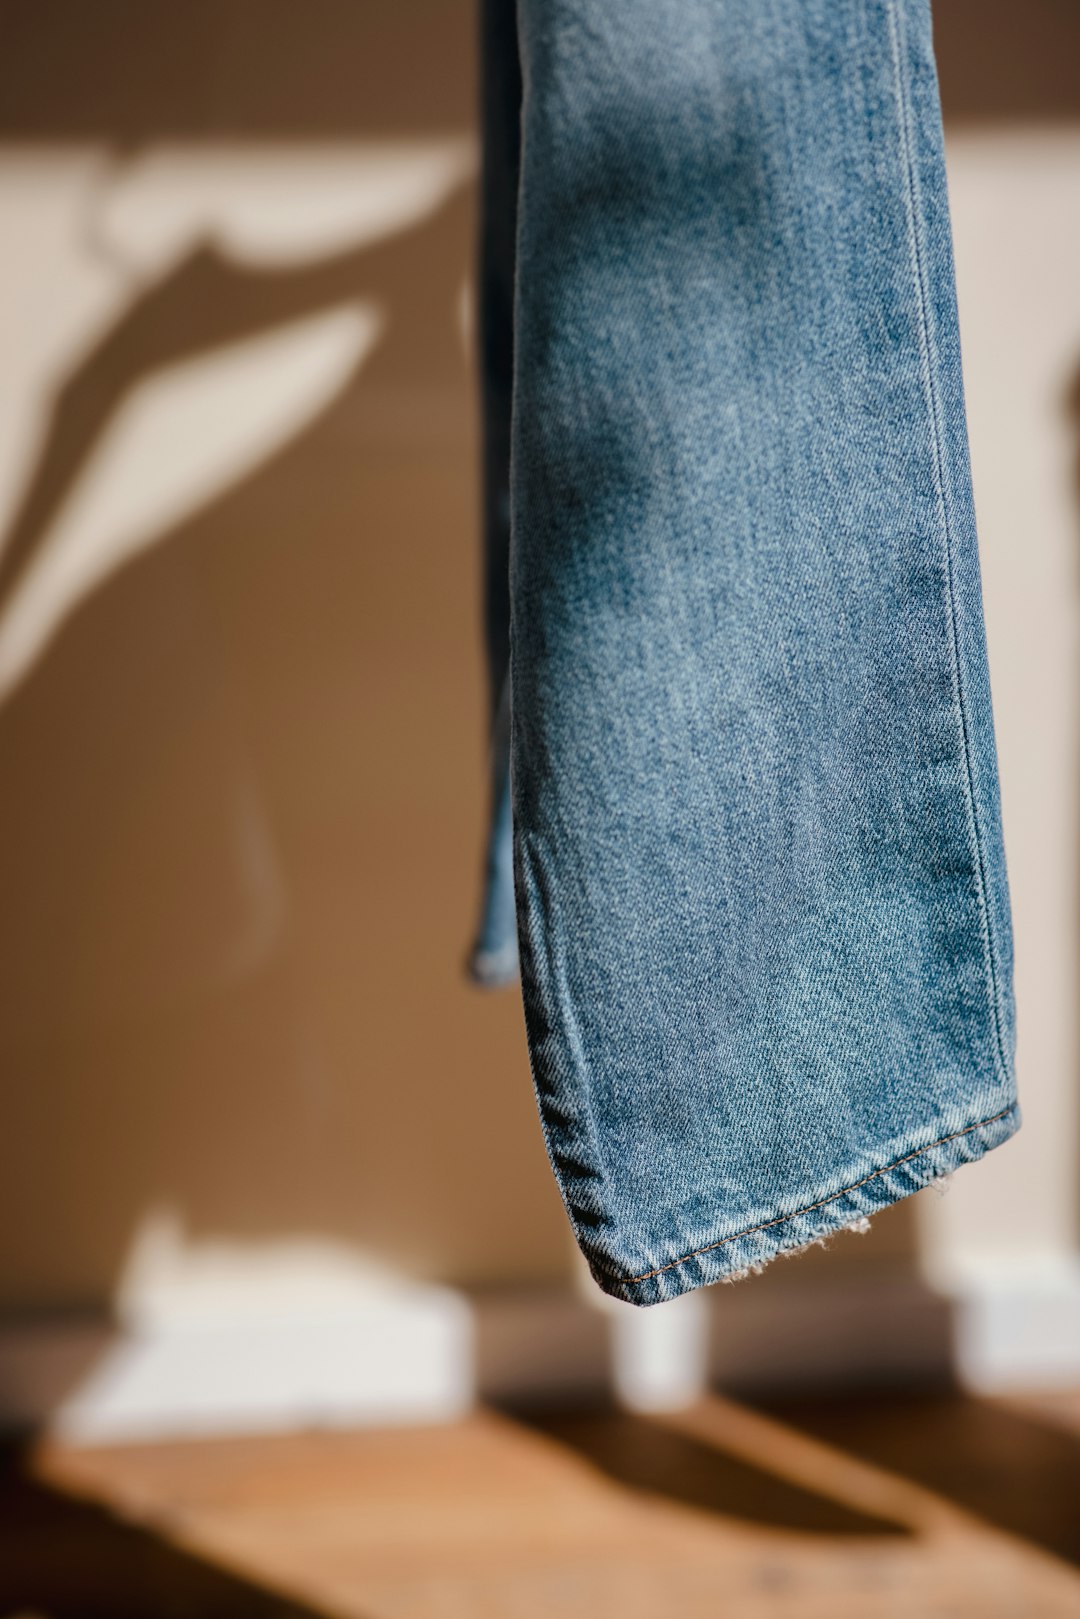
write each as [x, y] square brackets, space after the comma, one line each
[821, 1215]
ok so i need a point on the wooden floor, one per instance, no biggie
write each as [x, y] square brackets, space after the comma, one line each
[920, 1507]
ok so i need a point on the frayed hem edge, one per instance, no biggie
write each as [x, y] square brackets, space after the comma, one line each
[746, 1253]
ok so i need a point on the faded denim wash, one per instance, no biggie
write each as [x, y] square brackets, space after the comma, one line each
[761, 899]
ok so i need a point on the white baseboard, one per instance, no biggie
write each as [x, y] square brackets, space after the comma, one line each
[387, 1361]
[363, 1354]
[1015, 1324]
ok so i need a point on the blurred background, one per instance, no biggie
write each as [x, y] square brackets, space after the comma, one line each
[288, 1302]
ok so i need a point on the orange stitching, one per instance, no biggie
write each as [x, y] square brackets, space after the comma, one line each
[631, 1281]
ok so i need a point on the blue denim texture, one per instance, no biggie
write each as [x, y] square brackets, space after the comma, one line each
[761, 900]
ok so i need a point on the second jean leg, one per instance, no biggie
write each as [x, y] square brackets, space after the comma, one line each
[494, 955]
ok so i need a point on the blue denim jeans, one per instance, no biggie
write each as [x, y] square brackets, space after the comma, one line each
[732, 586]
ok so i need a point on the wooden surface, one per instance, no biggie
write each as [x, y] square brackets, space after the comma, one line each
[927, 1507]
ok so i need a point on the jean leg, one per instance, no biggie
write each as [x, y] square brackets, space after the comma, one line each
[761, 890]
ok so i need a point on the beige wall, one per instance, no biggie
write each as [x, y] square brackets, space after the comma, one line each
[241, 750]
[241, 759]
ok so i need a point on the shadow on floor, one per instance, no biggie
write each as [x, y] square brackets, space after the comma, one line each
[645, 1455]
[72, 1559]
[1013, 1472]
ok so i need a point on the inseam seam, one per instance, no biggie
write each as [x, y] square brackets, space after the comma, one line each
[981, 1124]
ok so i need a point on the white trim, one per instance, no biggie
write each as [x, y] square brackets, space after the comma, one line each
[1016, 1323]
[425, 1354]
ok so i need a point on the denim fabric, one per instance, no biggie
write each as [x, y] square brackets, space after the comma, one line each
[761, 898]
[494, 959]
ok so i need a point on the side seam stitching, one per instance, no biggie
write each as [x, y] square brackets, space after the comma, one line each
[934, 418]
